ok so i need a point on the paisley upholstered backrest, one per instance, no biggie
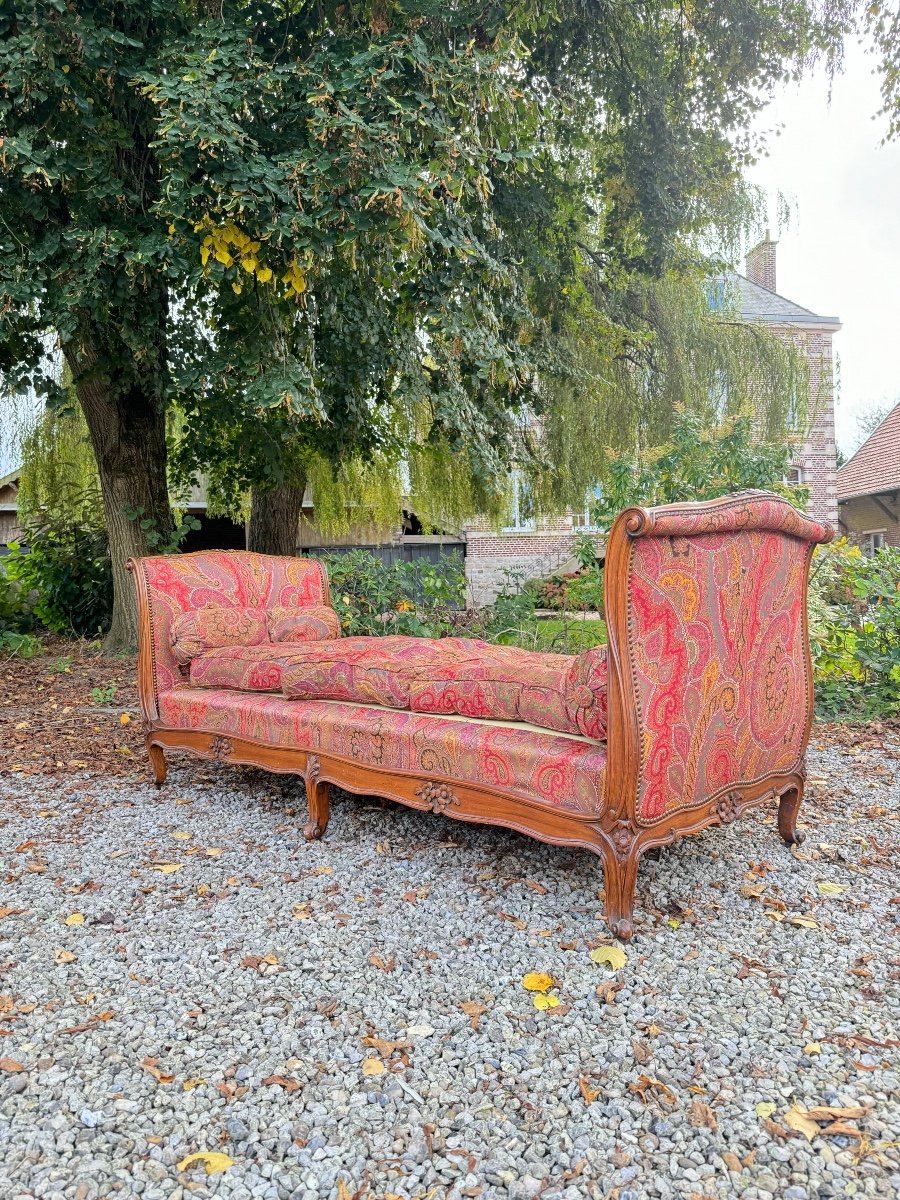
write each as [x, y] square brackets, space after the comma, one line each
[711, 659]
[171, 584]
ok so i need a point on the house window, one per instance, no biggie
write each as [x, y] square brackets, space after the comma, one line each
[584, 520]
[523, 519]
[795, 476]
[873, 541]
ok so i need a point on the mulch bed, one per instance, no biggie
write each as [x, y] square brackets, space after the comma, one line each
[70, 709]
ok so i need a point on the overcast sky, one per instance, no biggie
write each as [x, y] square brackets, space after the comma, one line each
[840, 256]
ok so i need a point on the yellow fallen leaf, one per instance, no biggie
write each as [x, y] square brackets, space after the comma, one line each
[812, 1048]
[214, 851]
[271, 959]
[202, 889]
[373, 1066]
[801, 919]
[75, 919]
[537, 981]
[190, 1084]
[798, 1118]
[323, 871]
[182, 835]
[541, 1001]
[166, 868]
[63, 956]
[765, 1108]
[213, 1160]
[302, 911]
[673, 922]
[830, 889]
[613, 956]
[773, 914]
[124, 719]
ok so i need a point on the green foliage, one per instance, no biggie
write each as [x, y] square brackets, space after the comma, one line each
[575, 591]
[416, 597]
[158, 542]
[59, 472]
[66, 570]
[104, 695]
[19, 645]
[854, 622]
[61, 665]
[697, 463]
[17, 598]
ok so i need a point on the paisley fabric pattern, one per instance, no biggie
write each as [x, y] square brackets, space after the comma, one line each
[586, 691]
[745, 512]
[209, 628]
[717, 643]
[315, 623]
[551, 769]
[180, 583]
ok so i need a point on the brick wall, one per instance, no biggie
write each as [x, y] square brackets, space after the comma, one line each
[760, 264]
[490, 555]
[862, 516]
[817, 457]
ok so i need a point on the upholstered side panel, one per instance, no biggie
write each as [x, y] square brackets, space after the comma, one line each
[552, 769]
[179, 583]
[718, 657]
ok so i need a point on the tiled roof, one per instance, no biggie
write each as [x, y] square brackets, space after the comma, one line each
[757, 303]
[875, 467]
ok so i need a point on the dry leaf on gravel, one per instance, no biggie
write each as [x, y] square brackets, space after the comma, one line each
[537, 981]
[10, 912]
[473, 1011]
[213, 1160]
[11, 1066]
[382, 964]
[63, 956]
[373, 1066]
[149, 1065]
[765, 1108]
[289, 1085]
[166, 868]
[612, 956]
[645, 1083]
[830, 889]
[701, 1116]
[588, 1093]
[75, 919]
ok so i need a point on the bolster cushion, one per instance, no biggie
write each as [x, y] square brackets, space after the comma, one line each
[213, 627]
[315, 623]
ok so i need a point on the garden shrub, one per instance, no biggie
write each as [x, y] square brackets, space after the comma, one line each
[421, 598]
[65, 571]
[854, 625]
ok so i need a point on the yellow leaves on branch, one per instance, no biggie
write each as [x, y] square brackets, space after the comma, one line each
[229, 245]
[213, 1160]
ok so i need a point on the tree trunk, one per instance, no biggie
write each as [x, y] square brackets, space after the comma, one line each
[275, 519]
[127, 427]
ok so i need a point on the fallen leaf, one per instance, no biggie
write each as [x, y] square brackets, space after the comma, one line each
[63, 956]
[373, 1066]
[271, 959]
[382, 964]
[166, 868]
[214, 851]
[322, 871]
[473, 1011]
[384, 1047]
[289, 1085]
[10, 1065]
[732, 1162]
[75, 919]
[182, 835]
[149, 1065]
[302, 912]
[645, 1083]
[542, 1001]
[537, 981]
[213, 1160]
[10, 912]
[830, 889]
[606, 991]
[826, 1112]
[190, 1084]
[642, 1052]
[589, 1094]
[765, 1108]
[802, 919]
[812, 1048]
[91, 1023]
[613, 956]
[799, 1119]
[536, 887]
[701, 1116]
[124, 718]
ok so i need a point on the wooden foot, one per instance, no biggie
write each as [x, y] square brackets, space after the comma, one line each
[158, 763]
[788, 808]
[619, 879]
[318, 795]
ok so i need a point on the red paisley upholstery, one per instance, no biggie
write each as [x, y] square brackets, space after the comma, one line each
[180, 583]
[315, 623]
[565, 772]
[718, 649]
[210, 628]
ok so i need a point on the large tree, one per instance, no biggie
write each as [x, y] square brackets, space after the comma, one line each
[335, 236]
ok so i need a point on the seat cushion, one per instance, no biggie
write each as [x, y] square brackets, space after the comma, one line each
[553, 769]
[314, 623]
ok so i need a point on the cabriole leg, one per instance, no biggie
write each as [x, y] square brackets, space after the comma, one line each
[318, 795]
[788, 808]
[619, 879]
[157, 762]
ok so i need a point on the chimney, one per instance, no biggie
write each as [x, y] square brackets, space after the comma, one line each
[760, 265]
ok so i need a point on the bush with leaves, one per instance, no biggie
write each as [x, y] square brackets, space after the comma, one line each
[854, 625]
[418, 597]
[697, 463]
[65, 570]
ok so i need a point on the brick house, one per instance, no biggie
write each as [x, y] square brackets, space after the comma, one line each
[868, 488]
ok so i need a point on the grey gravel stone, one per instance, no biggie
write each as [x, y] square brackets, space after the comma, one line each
[248, 988]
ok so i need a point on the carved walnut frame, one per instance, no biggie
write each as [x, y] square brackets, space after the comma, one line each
[617, 834]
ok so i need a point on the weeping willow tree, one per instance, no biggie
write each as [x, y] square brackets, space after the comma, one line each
[59, 477]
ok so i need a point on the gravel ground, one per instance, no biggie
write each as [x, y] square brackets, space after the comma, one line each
[348, 1019]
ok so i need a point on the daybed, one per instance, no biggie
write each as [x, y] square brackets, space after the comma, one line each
[700, 706]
